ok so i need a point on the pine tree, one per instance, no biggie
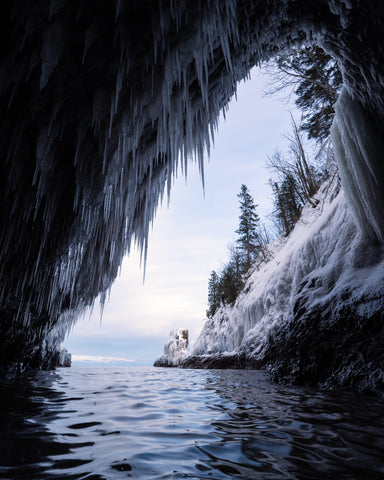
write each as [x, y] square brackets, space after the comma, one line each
[214, 294]
[279, 210]
[228, 285]
[316, 80]
[287, 204]
[236, 267]
[299, 176]
[248, 241]
[231, 279]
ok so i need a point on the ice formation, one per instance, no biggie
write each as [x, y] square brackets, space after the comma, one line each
[100, 100]
[311, 251]
[65, 358]
[325, 272]
[359, 151]
[175, 350]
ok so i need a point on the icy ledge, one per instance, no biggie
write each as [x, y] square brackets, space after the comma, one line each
[175, 350]
[313, 314]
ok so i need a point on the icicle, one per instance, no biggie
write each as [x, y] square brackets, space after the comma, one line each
[51, 52]
[99, 121]
[359, 149]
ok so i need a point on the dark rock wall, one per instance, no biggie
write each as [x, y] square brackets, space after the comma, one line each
[333, 346]
[329, 347]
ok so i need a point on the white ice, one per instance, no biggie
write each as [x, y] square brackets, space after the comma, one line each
[176, 349]
[326, 254]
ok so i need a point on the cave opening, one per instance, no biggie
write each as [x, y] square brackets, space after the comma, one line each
[98, 101]
[190, 237]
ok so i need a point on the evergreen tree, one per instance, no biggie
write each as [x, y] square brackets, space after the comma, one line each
[231, 279]
[214, 294]
[316, 80]
[228, 285]
[249, 244]
[297, 178]
[287, 204]
[236, 268]
[225, 287]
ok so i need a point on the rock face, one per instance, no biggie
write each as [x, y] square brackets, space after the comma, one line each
[313, 314]
[100, 100]
[175, 350]
[223, 361]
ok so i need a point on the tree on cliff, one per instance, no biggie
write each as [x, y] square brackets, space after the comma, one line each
[298, 164]
[287, 204]
[297, 177]
[214, 294]
[249, 242]
[231, 280]
[224, 287]
[316, 81]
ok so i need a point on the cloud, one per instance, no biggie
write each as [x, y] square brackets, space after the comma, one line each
[99, 359]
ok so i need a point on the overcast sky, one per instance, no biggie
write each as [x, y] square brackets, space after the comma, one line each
[189, 239]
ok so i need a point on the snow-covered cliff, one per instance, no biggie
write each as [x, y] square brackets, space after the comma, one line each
[175, 350]
[313, 313]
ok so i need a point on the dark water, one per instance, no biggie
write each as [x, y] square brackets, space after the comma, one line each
[146, 423]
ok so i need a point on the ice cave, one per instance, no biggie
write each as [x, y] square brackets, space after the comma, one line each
[101, 99]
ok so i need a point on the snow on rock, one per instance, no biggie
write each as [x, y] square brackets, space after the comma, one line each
[276, 284]
[324, 284]
[65, 358]
[175, 350]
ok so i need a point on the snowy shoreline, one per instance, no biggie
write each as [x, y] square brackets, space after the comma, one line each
[313, 313]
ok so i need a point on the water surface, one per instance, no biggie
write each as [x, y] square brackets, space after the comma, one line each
[146, 423]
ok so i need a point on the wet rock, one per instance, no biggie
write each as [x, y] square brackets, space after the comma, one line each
[335, 346]
[223, 361]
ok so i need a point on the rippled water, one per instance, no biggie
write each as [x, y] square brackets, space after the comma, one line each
[147, 423]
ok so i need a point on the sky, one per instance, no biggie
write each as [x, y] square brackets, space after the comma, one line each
[189, 239]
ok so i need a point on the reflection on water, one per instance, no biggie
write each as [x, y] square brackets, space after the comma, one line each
[146, 423]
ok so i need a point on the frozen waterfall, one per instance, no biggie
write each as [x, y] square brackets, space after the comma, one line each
[359, 149]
